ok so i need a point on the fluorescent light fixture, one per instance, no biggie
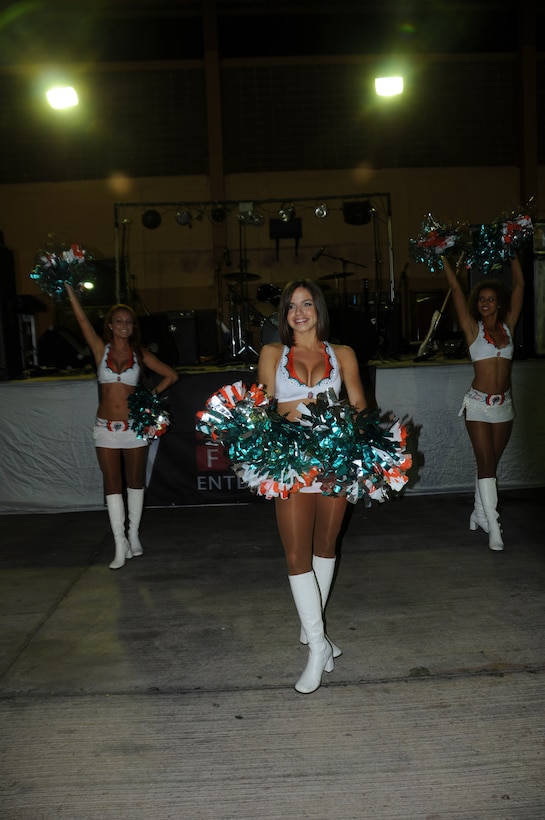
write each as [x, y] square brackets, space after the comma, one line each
[389, 86]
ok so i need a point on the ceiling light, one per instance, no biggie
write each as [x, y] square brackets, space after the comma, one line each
[65, 97]
[389, 86]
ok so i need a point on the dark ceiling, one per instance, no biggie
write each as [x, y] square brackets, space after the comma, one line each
[34, 31]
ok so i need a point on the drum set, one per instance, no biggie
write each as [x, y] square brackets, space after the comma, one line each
[255, 321]
[250, 317]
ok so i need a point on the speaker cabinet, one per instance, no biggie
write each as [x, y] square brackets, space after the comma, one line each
[11, 354]
[207, 335]
[183, 326]
[172, 337]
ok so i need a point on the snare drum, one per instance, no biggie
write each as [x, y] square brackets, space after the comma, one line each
[269, 330]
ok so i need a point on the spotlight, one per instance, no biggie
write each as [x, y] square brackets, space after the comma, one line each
[321, 210]
[357, 213]
[183, 217]
[286, 212]
[151, 219]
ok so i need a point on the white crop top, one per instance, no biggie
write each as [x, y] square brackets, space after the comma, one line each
[288, 386]
[107, 375]
[484, 347]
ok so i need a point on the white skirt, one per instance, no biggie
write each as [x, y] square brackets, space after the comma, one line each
[491, 407]
[116, 435]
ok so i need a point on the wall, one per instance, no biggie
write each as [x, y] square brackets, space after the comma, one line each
[180, 268]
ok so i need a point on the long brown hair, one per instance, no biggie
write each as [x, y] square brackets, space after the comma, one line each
[322, 316]
[134, 339]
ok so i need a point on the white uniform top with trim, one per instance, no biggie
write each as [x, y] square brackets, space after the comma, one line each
[484, 348]
[107, 375]
[288, 386]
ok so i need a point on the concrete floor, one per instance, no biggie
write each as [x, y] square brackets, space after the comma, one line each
[165, 689]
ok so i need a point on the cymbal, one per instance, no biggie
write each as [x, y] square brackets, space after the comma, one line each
[342, 275]
[241, 277]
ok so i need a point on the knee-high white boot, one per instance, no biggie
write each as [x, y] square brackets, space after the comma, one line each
[478, 516]
[324, 569]
[489, 496]
[116, 513]
[309, 607]
[135, 503]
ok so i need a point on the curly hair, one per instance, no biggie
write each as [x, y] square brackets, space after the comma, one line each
[503, 295]
[322, 315]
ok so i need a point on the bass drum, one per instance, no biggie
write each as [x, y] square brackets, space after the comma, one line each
[269, 330]
[268, 297]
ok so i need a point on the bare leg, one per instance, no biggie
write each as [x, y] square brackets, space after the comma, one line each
[329, 518]
[295, 518]
[309, 525]
[488, 442]
[135, 466]
[109, 462]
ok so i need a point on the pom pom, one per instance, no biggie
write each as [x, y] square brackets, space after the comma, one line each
[266, 451]
[350, 454]
[436, 240]
[60, 262]
[148, 417]
[494, 244]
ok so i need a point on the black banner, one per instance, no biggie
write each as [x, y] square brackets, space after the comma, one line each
[183, 469]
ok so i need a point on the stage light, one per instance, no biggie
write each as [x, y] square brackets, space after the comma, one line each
[389, 86]
[151, 219]
[256, 219]
[62, 97]
[321, 210]
[248, 216]
[218, 214]
[286, 212]
[357, 213]
[183, 217]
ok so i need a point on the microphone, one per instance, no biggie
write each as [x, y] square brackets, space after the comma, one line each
[317, 255]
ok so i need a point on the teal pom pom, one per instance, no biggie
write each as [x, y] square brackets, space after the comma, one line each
[348, 453]
[58, 263]
[149, 419]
